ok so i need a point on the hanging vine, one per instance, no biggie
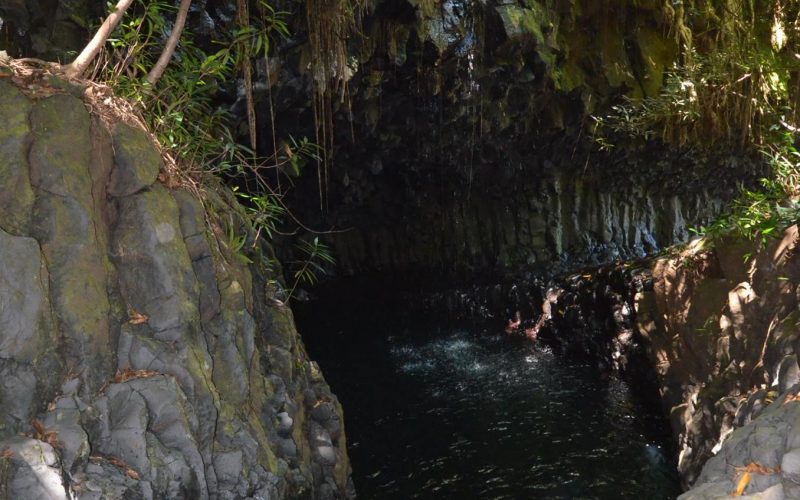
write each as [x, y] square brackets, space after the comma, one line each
[735, 82]
[331, 24]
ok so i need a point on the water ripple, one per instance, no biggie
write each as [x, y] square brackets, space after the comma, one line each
[477, 416]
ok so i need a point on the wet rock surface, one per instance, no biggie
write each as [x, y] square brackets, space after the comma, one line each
[723, 334]
[465, 145]
[139, 357]
[551, 223]
[716, 335]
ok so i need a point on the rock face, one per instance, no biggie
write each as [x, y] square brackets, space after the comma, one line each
[139, 356]
[714, 329]
[464, 146]
[724, 340]
[555, 222]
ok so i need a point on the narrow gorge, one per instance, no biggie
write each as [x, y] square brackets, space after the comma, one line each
[400, 249]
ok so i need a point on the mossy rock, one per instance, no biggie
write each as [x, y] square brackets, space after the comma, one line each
[16, 194]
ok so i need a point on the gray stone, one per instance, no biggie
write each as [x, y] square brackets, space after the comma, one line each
[23, 298]
[61, 151]
[28, 364]
[323, 412]
[65, 226]
[35, 470]
[18, 384]
[154, 267]
[788, 373]
[790, 465]
[136, 162]
[145, 368]
[103, 481]
[280, 362]
[228, 467]
[285, 424]
[287, 448]
[327, 454]
[65, 421]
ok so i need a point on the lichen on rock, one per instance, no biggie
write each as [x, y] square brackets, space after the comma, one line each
[138, 358]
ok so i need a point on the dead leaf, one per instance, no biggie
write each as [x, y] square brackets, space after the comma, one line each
[137, 318]
[740, 487]
[791, 397]
[754, 468]
[168, 180]
[39, 428]
[42, 434]
[118, 463]
[51, 438]
[747, 471]
[6, 454]
[129, 373]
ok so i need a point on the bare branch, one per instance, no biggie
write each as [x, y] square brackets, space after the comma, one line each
[81, 63]
[172, 43]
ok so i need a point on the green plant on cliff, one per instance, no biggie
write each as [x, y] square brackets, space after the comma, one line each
[316, 255]
[765, 213]
[736, 78]
[181, 107]
[735, 86]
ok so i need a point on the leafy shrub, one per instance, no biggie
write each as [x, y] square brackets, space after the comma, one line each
[194, 131]
[763, 214]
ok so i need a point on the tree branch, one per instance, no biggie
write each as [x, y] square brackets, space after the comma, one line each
[172, 43]
[79, 65]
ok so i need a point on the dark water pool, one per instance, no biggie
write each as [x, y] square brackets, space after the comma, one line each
[462, 413]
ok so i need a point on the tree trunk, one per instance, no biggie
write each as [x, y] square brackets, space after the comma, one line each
[172, 43]
[79, 65]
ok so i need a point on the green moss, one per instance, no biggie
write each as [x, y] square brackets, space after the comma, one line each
[16, 194]
[426, 8]
[267, 457]
[658, 53]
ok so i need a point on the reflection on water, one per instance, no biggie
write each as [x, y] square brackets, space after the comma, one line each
[478, 415]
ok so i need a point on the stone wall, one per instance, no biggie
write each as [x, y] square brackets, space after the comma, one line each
[555, 222]
[139, 356]
[714, 330]
[466, 143]
[723, 328]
